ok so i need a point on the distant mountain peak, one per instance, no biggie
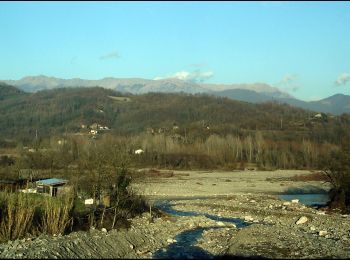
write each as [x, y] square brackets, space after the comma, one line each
[249, 92]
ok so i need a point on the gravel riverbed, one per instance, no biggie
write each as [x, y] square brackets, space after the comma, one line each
[278, 229]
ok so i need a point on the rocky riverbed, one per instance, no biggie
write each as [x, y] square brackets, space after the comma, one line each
[278, 229]
[275, 232]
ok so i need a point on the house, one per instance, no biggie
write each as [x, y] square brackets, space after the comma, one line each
[318, 115]
[52, 187]
[13, 185]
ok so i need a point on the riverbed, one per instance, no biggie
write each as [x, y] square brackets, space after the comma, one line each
[211, 215]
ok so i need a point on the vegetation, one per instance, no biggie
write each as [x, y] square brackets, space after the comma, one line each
[43, 136]
[337, 169]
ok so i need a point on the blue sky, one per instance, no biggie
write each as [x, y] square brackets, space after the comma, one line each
[300, 47]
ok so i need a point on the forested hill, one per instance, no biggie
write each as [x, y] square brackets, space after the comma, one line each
[7, 91]
[65, 110]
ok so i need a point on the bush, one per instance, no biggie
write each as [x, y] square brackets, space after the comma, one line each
[56, 214]
[337, 169]
[16, 215]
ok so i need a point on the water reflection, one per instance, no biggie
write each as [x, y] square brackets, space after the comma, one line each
[318, 199]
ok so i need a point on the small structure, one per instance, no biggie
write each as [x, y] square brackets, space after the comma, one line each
[318, 115]
[52, 187]
[139, 151]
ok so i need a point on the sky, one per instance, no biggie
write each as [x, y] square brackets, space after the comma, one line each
[302, 48]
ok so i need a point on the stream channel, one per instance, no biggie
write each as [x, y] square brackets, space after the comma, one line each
[185, 245]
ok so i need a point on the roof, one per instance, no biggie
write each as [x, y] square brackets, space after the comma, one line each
[52, 181]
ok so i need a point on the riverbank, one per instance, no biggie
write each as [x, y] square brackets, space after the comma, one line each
[275, 231]
[278, 229]
[182, 184]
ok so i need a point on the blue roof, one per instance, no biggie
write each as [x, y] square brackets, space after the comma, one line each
[53, 181]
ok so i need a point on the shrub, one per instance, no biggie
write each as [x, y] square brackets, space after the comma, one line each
[16, 215]
[56, 214]
[337, 169]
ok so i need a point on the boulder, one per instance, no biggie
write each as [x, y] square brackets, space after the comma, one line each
[295, 201]
[322, 233]
[170, 240]
[248, 218]
[302, 220]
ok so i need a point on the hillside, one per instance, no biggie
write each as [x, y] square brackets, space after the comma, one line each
[7, 91]
[253, 93]
[64, 110]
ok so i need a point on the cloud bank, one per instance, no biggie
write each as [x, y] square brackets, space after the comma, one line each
[342, 79]
[289, 83]
[196, 76]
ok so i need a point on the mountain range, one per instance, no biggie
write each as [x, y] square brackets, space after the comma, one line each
[253, 93]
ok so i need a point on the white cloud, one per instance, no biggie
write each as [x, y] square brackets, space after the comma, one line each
[289, 83]
[342, 79]
[111, 55]
[195, 76]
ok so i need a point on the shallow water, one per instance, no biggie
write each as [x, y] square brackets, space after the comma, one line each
[184, 247]
[313, 199]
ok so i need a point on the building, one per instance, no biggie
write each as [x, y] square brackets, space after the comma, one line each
[52, 187]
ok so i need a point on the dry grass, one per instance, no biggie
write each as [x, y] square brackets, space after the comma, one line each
[56, 214]
[23, 214]
[316, 176]
[17, 211]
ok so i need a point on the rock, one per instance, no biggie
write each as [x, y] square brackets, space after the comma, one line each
[287, 203]
[252, 201]
[302, 220]
[322, 233]
[312, 228]
[248, 218]
[170, 240]
[295, 201]
[321, 213]
[104, 230]
[219, 223]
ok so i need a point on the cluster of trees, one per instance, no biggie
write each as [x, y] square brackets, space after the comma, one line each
[337, 169]
[176, 151]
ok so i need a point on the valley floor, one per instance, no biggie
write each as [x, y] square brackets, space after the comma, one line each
[250, 196]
